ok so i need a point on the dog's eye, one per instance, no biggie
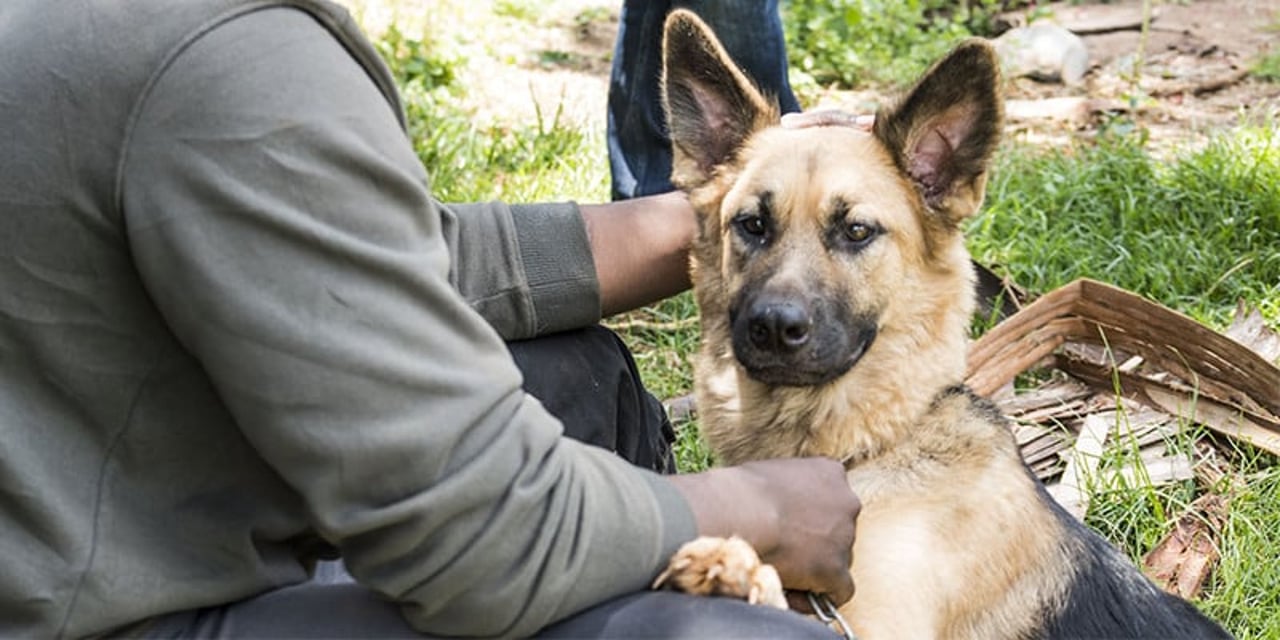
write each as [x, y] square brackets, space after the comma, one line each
[859, 233]
[752, 225]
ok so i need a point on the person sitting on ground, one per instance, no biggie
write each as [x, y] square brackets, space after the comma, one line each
[238, 337]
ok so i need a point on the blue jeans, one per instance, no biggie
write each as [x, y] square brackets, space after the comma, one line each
[639, 148]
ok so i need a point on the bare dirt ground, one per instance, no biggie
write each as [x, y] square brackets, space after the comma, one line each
[1194, 69]
[1194, 66]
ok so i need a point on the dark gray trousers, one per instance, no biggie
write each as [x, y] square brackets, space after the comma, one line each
[589, 380]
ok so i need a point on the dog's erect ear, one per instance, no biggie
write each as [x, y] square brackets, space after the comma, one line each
[942, 135]
[712, 108]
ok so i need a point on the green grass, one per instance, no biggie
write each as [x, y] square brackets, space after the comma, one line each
[518, 9]
[536, 161]
[539, 161]
[1195, 232]
[1243, 593]
[1267, 66]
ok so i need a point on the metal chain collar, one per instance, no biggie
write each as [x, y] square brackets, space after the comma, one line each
[830, 615]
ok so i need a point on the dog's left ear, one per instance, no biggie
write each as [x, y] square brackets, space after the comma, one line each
[943, 134]
[712, 108]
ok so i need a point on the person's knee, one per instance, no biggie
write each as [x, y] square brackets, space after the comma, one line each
[583, 358]
[588, 379]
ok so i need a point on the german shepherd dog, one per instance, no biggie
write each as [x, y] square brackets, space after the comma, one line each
[835, 295]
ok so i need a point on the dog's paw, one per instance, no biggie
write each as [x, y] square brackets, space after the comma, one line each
[723, 567]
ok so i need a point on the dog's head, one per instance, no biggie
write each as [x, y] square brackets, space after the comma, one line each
[820, 245]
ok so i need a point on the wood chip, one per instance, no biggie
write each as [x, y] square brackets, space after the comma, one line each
[1056, 394]
[1157, 471]
[1082, 465]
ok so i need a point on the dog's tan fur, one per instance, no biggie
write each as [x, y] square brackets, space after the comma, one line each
[954, 540]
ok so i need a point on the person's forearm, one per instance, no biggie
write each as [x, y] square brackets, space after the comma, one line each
[722, 506]
[640, 248]
[798, 513]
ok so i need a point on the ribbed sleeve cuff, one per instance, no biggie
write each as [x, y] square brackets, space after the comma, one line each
[558, 265]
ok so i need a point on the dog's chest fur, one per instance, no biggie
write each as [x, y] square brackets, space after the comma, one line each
[955, 487]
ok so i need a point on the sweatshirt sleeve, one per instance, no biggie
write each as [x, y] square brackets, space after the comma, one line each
[282, 225]
[527, 269]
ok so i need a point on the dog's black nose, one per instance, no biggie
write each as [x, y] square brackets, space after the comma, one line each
[779, 326]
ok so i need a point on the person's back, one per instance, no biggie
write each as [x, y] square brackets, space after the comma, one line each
[229, 328]
[237, 335]
[109, 429]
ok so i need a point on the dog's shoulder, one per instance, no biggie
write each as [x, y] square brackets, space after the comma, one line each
[975, 407]
[959, 419]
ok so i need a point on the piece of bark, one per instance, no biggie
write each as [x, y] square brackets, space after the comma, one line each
[1182, 562]
[1041, 439]
[1156, 470]
[1045, 452]
[1221, 417]
[1053, 396]
[681, 409]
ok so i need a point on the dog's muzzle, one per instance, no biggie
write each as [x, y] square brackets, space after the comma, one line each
[791, 342]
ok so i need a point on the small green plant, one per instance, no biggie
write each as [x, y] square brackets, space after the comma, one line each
[664, 337]
[418, 64]
[522, 10]
[1243, 596]
[541, 160]
[853, 43]
[1267, 68]
[590, 15]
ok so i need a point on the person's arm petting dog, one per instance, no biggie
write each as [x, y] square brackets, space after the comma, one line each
[640, 248]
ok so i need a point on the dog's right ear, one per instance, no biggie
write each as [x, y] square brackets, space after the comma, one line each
[712, 108]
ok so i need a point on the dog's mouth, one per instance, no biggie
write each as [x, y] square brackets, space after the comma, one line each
[807, 368]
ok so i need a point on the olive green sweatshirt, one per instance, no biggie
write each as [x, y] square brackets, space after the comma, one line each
[237, 333]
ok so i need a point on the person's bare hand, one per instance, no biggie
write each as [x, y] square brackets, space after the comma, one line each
[798, 513]
[827, 118]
